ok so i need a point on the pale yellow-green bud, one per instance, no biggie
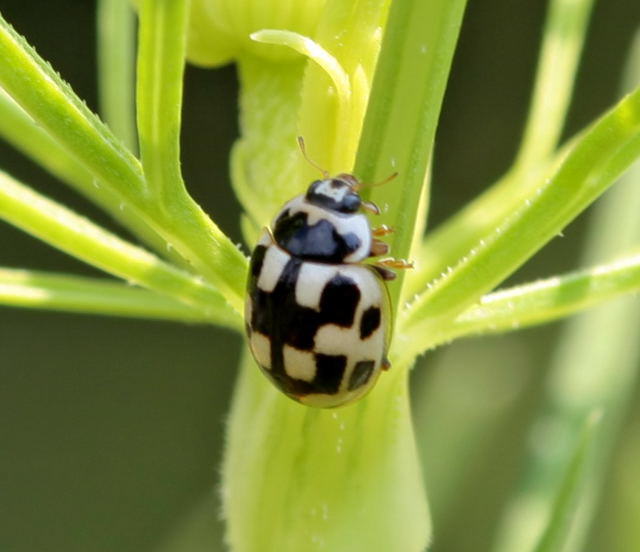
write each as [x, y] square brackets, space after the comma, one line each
[219, 30]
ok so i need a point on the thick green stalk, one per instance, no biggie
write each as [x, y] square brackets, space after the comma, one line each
[297, 478]
[300, 478]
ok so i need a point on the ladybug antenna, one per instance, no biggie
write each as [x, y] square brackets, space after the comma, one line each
[389, 178]
[311, 162]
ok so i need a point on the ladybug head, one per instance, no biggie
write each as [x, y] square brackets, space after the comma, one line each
[336, 194]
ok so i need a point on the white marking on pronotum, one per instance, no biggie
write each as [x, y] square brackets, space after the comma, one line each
[327, 189]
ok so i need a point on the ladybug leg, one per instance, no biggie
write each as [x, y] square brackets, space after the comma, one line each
[398, 264]
[371, 207]
[378, 248]
[386, 274]
[384, 266]
[382, 230]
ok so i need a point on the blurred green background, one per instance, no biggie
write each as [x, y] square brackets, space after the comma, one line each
[111, 429]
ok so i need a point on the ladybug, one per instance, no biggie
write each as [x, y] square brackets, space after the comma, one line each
[317, 317]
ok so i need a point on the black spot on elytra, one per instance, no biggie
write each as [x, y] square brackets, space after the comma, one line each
[329, 372]
[302, 329]
[339, 300]
[257, 259]
[255, 266]
[361, 373]
[370, 322]
[318, 242]
[278, 316]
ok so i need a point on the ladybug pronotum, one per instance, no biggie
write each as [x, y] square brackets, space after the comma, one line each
[317, 317]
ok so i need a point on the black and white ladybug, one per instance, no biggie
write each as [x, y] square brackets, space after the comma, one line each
[318, 318]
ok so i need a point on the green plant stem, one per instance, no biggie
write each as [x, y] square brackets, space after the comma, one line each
[20, 130]
[159, 95]
[116, 57]
[546, 300]
[28, 132]
[601, 155]
[563, 37]
[568, 494]
[444, 246]
[182, 225]
[49, 100]
[294, 474]
[595, 366]
[76, 235]
[403, 111]
[159, 98]
[24, 134]
[62, 292]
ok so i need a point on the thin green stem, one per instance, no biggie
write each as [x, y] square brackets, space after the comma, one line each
[545, 301]
[52, 104]
[52, 125]
[21, 131]
[563, 38]
[159, 94]
[24, 134]
[596, 366]
[178, 221]
[116, 63]
[76, 235]
[185, 226]
[568, 494]
[598, 158]
[403, 112]
[62, 292]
